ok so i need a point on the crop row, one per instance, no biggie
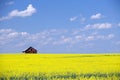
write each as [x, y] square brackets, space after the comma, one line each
[64, 76]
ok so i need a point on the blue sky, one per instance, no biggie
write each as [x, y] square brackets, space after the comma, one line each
[64, 26]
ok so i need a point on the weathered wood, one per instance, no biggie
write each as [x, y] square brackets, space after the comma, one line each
[30, 50]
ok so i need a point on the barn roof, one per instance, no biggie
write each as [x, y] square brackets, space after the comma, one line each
[30, 48]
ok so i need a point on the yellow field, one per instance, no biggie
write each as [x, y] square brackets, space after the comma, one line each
[59, 66]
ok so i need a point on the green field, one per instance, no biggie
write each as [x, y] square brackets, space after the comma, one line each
[59, 66]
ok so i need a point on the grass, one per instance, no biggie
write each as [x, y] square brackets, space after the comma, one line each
[59, 66]
[67, 76]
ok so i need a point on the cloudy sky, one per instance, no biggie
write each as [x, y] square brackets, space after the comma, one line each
[60, 26]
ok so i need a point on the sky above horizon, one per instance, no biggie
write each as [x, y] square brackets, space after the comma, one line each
[60, 26]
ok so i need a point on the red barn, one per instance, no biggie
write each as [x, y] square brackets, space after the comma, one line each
[30, 50]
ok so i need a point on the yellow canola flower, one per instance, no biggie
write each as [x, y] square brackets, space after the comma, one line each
[19, 64]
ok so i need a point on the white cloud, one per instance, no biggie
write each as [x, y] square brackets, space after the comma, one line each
[53, 37]
[73, 18]
[10, 3]
[5, 31]
[62, 40]
[15, 13]
[89, 38]
[111, 36]
[28, 12]
[98, 26]
[78, 37]
[119, 24]
[13, 34]
[96, 16]
[24, 33]
[82, 20]
[78, 18]
[99, 37]
[9, 33]
[5, 18]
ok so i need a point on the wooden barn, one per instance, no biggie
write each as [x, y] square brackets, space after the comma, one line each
[30, 50]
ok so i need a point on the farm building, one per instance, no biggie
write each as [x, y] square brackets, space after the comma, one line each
[30, 50]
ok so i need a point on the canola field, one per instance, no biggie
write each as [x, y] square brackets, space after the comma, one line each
[60, 66]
